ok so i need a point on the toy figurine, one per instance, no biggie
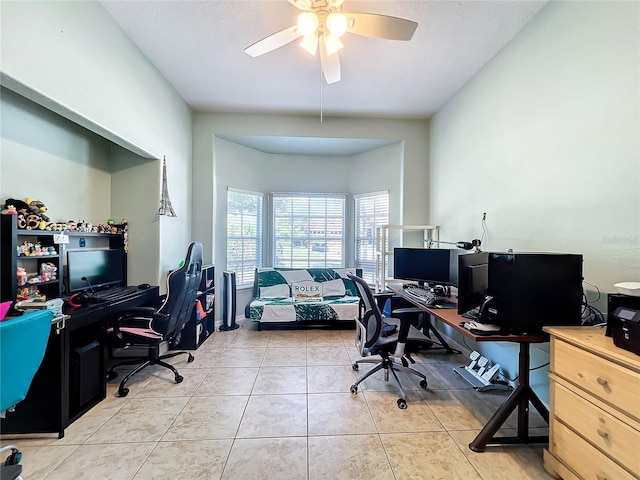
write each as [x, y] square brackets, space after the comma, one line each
[21, 275]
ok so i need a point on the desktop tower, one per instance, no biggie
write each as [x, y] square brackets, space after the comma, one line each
[228, 301]
[527, 291]
[85, 374]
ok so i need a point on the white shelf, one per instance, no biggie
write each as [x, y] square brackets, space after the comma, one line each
[384, 248]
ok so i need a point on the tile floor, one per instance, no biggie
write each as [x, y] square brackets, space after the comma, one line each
[274, 405]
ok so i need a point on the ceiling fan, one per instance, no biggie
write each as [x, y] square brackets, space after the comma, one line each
[322, 23]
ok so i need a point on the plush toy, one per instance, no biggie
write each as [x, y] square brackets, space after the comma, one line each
[34, 222]
[20, 206]
[38, 208]
[48, 271]
[10, 210]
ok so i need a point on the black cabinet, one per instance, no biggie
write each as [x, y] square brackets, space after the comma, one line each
[202, 321]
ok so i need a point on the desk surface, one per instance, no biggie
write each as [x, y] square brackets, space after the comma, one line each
[450, 317]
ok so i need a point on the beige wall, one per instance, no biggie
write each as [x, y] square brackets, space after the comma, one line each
[73, 59]
[546, 140]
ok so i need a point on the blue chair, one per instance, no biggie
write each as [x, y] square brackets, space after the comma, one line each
[23, 342]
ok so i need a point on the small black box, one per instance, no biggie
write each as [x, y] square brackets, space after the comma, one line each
[626, 329]
[615, 300]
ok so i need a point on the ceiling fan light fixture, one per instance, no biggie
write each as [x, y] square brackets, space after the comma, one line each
[310, 43]
[332, 44]
[307, 23]
[337, 24]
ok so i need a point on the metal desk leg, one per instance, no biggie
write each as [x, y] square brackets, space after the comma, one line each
[520, 398]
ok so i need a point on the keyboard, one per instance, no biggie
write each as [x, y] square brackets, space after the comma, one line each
[114, 293]
[426, 297]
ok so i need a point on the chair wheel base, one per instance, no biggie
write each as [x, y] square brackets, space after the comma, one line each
[179, 378]
[402, 404]
[353, 389]
[123, 392]
[191, 358]
[355, 367]
[423, 384]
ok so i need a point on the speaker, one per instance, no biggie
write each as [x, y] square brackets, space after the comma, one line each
[228, 301]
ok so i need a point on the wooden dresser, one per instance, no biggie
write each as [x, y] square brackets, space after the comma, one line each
[594, 421]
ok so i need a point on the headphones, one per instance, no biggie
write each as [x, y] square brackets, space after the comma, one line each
[80, 299]
[439, 290]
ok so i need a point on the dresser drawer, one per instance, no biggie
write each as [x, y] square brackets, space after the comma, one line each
[588, 462]
[614, 437]
[606, 380]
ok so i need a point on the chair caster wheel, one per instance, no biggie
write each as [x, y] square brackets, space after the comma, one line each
[191, 358]
[353, 389]
[423, 384]
[179, 378]
[402, 404]
[112, 375]
[123, 392]
[355, 367]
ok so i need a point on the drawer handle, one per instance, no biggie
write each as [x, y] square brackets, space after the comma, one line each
[602, 381]
[602, 433]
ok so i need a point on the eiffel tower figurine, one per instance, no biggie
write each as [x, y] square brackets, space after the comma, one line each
[165, 203]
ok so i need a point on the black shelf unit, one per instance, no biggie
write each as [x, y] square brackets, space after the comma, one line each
[11, 238]
[199, 327]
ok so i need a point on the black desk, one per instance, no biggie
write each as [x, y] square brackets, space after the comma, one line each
[521, 395]
[58, 394]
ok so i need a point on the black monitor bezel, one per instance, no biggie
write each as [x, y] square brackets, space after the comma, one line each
[470, 298]
[423, 279]
[75, 285]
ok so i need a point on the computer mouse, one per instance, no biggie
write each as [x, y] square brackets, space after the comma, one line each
[144, 286]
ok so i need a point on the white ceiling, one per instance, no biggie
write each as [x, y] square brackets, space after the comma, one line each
[198, 46]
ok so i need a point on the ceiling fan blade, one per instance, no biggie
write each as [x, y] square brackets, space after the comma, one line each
[274, 41]
[304, 5]
[330, 65]
[380, 26]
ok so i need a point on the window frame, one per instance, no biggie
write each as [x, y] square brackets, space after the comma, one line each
[368, 265]
[319, 243]
[244, 277]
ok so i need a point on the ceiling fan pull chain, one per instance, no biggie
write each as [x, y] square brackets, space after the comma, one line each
[321, 91]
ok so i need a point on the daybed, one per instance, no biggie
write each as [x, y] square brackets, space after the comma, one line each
[279, 296]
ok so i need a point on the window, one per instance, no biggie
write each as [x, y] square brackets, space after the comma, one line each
[308, 230]
[244, 234]
[371, 211]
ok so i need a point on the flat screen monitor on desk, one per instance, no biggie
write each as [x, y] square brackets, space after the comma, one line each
[427, 266]
[89, 269]
[473, 280]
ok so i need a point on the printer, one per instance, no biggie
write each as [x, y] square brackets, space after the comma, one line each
[623, 323]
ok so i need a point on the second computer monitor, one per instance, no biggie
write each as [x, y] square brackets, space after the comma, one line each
[426, 265]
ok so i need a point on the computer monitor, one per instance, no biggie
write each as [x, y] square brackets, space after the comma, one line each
[473, 280]
[425, 265]
[532, 290]
[99, 268]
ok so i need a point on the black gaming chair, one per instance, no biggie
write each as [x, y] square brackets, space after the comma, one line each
[392, 339]
[148, 327]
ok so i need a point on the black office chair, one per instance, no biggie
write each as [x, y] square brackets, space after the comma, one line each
[147, 327]
[392, 339]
